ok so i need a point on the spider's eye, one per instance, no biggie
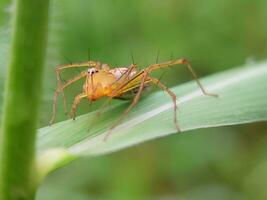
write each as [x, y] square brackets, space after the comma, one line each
[92, 71]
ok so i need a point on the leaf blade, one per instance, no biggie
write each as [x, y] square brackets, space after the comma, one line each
[153, 117]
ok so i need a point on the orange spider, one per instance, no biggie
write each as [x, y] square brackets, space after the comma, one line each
[101, 81]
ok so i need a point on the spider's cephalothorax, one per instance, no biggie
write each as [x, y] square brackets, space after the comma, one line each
[101, 81]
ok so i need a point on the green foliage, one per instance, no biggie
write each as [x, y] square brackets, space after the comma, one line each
[17, 142]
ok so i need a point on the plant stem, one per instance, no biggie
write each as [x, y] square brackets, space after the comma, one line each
[22, 93]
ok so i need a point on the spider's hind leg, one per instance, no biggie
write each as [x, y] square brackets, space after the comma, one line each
[172, 95]
[134, 102]
[189, 67]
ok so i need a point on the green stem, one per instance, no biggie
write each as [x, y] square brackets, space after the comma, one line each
[22, 93]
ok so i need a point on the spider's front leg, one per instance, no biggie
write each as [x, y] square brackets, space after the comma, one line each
[60, 89]
[58, 69]
[95, 64]
[76, 101]
[61, 86]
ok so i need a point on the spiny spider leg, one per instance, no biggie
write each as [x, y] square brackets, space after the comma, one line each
[60, 88]
[134, 102]
[73, 65]
[124, 77]
[178, 62]
[76, 101]
[81, 64]
[172, 95]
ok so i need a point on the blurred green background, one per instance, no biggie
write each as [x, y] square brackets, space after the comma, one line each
[220, 163]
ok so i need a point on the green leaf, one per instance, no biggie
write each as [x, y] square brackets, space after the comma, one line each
[242, 99]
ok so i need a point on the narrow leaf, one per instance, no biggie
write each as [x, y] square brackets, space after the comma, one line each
[242, 99]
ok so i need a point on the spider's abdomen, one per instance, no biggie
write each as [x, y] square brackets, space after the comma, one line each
[120, 71]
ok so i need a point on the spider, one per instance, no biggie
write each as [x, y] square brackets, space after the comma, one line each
[102, 81]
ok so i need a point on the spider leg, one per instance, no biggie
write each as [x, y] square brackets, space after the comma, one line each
[189, 67]
[61, 86]
[134, 102]
[172, 95]
[73, 65]
[81, 64]
[76, 101]
[59, 89]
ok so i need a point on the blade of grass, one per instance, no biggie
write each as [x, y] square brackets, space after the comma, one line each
[22, 93]
[242, 99]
